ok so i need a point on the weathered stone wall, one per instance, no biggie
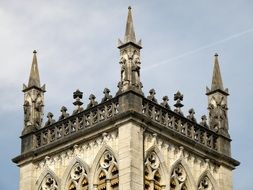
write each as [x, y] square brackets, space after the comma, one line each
[196, 167]
[31, 175]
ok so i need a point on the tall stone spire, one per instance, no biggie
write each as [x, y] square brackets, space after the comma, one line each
[129, 34]
[130, 59]
[34, 79]
[33, 99]
[217, 80]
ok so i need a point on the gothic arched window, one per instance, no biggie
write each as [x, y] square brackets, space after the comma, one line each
[48, 183]
[205, 184]
[78, 179]
[152, 172]
[108, 173]
[178, 179]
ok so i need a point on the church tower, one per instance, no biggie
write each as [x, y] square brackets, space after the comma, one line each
[128, 141]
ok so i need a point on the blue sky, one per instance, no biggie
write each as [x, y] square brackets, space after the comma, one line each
[77, 48]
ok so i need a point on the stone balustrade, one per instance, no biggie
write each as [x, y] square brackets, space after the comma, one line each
[179, 124]
[76, 122]
[110, 108]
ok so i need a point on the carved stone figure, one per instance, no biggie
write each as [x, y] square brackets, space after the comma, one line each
[136, 70]
[165, 102]
[38, 110]
[107, 95]
[218, 113]
[191, 115]
[27, 112]
[151, 96]
[93, 101]
[50, 119]
[204, 121]
[130, 68]
[64, 113]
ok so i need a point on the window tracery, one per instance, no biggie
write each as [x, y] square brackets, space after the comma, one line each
[205, 184]
[178, 178]
[49, 183]
[152, 172]
[78, 179]
[108, 175]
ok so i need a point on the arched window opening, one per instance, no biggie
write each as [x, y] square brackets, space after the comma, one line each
[205, 184]
[77, 179]
[115, 178]
[49, 183]
[84, 184]
[102, 181]
[152, 172]
[178, 178]
[108, 177]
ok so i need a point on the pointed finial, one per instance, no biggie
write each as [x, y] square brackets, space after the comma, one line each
[129, 34]
[217, 80]
[34, 79]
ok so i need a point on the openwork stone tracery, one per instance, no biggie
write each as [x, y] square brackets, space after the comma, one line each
[49, 183]
[205, 184]
[178, 178]
[78, 179]
[152, 172]
[108, 174]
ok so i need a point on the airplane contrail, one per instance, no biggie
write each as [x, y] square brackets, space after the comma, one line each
[199, 49]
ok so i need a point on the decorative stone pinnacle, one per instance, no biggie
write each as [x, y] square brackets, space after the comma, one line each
[78, 95]
[34, 51]
[129, 7]
[178, 97]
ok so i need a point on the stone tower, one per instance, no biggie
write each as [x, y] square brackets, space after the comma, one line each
[127, 141]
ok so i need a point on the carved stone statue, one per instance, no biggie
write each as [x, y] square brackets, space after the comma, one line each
[27, 112]
[107, 95]
[218, 113]
[64, 113]
[38, 106]
[165, 102]
[130, 68]
[151, 96]
[50, 119]
[93, 101]
[204, 121]
[191, 115]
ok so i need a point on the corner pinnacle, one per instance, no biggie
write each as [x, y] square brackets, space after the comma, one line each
[217, 80]
[129, 34]
[34, 79]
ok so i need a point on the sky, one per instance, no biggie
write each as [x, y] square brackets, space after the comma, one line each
[77, 48]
